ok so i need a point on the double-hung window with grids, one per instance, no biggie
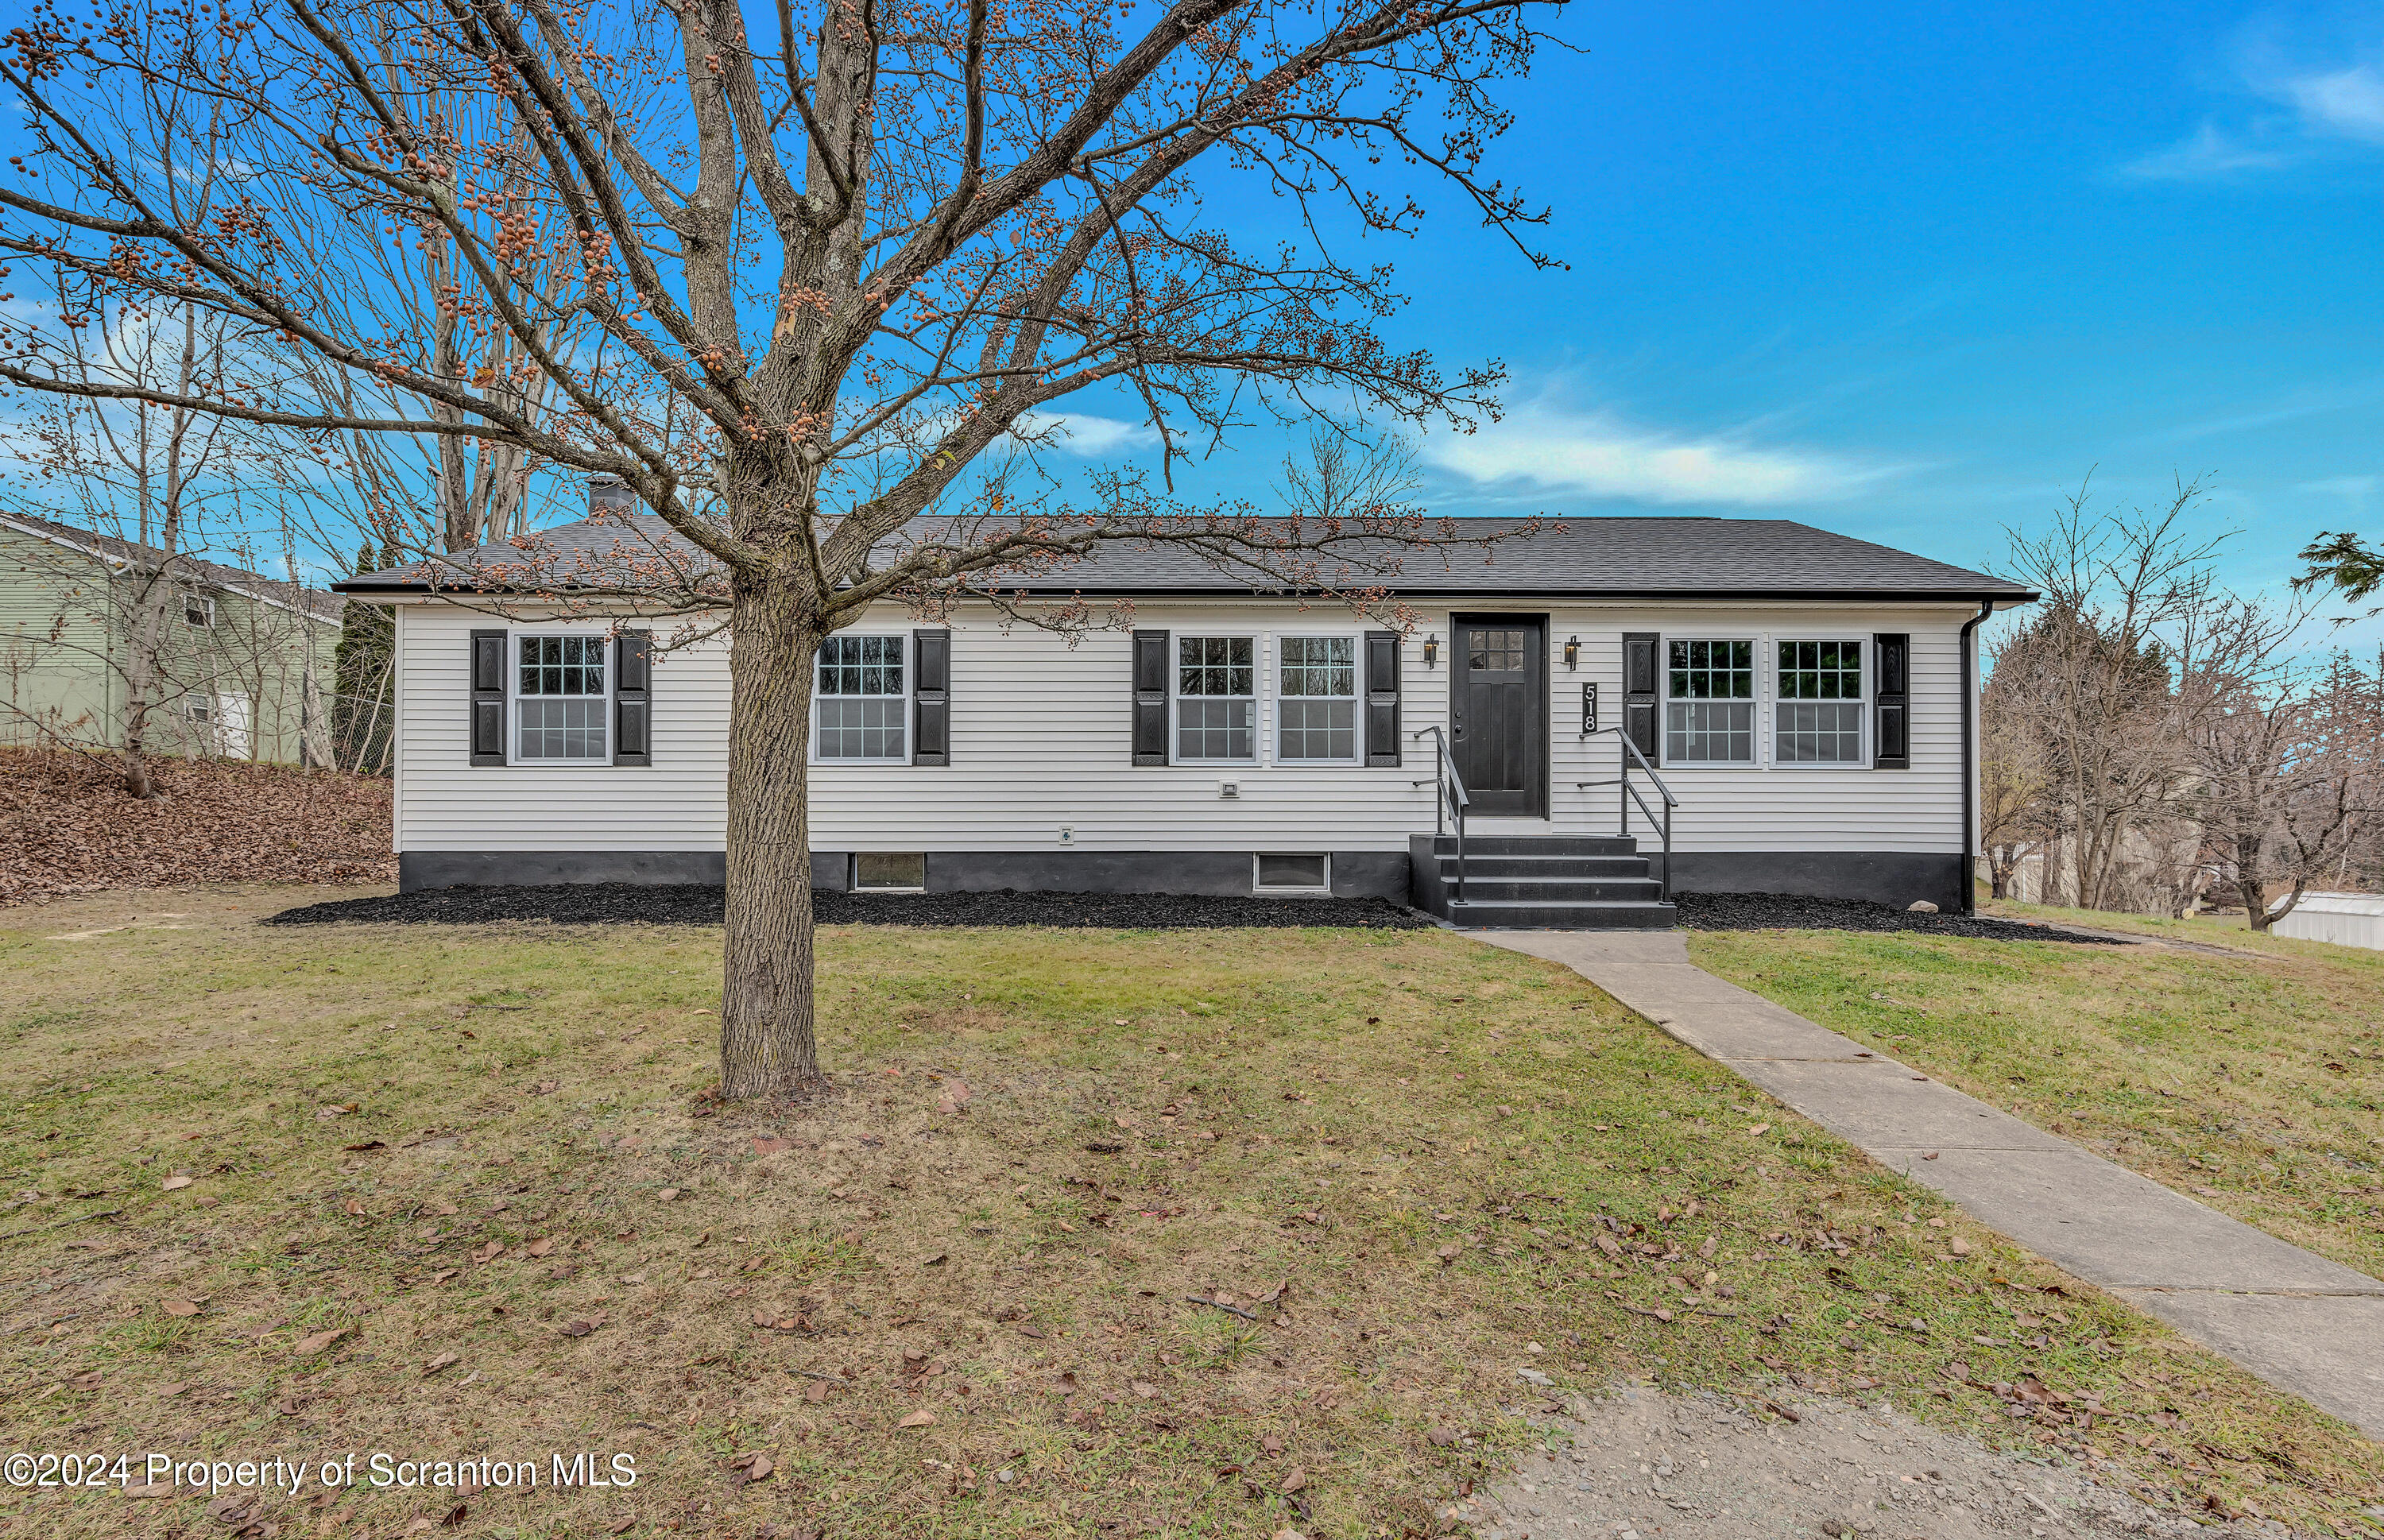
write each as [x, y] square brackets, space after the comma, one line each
[1316, 705]
[1216, 699]
[560, 701]
[862, 699]
[1710, 709]
[1819, 718]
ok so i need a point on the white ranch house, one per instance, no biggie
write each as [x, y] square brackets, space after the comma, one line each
[1803, 705]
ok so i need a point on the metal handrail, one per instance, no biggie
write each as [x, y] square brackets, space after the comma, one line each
[1630, 794]
[1448, 796]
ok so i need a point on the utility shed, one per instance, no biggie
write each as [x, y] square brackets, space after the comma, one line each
[2346, 919]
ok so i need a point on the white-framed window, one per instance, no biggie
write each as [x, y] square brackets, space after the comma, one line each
[560, 700]
[862, 700]
[1816, 717]
[890, 871]
[198, 610]
[1216, 700]
[1316, 700]
[1290, 872]
[1709, 701]
[222, 720]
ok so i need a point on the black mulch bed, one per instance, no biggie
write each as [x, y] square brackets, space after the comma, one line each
[623, 903]
[633, 903]
[1787, 912]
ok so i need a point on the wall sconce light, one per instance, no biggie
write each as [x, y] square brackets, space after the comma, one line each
[1431, 651]
[1572, 651]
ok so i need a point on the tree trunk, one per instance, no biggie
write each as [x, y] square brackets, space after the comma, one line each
[145, 645]
[766, 1043]
[2254, 894]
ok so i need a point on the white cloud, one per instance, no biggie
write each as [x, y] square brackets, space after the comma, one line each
[2348, 103]
[2354, 490]
[2318, 95]
[1597, 456]
[1083, 433]
[2209, 153]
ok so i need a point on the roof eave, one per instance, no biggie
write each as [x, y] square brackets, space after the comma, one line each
[1903, 596]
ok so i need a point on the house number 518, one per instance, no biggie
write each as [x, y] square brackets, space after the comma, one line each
[1588, 710]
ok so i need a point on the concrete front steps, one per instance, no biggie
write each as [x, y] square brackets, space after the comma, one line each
[1525, 882]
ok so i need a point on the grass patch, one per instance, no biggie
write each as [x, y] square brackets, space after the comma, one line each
[1235, 1230]
[2255, 1081]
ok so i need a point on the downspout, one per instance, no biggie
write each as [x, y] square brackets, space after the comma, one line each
[1969, 902]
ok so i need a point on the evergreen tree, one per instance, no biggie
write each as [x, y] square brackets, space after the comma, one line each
[361, 714]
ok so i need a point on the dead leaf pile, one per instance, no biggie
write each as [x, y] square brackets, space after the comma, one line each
[67, 827]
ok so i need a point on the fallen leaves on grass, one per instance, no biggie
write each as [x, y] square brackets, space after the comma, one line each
[308, 1345]
[918, 1420]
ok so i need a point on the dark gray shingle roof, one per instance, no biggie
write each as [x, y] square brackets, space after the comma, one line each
[1589, 557]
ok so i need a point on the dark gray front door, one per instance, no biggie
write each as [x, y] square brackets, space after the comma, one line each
[1497, 712]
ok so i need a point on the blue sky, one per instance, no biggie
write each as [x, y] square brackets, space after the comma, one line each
[1909, 271]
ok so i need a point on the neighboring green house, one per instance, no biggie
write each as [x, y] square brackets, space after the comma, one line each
[241, 670]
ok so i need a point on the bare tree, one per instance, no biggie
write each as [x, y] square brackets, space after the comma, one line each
[146, 475]
[2096, 664]
[2015, 816]
[812, 280]
[2285, 748]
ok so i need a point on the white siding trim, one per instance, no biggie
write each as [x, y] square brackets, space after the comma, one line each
[1042, 738]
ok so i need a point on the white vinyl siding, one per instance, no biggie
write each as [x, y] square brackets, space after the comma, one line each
[1042, 737]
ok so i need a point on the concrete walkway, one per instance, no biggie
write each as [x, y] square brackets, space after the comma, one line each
[2296, 1320]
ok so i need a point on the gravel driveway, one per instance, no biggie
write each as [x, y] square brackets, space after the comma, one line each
[1640, 1463]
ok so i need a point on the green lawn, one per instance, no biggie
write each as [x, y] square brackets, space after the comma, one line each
[2255, 1082]
[1230, 1231]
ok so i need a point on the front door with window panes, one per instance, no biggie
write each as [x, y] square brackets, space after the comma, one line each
[1497, 713]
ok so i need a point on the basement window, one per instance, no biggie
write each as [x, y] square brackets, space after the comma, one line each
[1294, 874]
[877, 871]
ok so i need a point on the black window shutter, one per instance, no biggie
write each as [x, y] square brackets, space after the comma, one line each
[488, 698]
[1892, 740]
[1150, 697]
[1382, 698]
[633, 680]
[1640, 694]
[931, 697]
